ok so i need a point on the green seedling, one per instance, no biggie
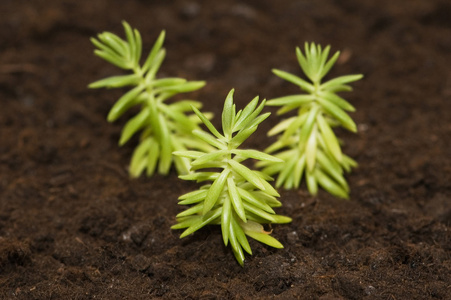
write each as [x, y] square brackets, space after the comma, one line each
[164, 127]
[306, 141]
[239, 199]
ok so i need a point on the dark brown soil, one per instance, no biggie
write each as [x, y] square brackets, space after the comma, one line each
[73, 225]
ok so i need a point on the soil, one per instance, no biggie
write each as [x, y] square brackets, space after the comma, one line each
[73, 225]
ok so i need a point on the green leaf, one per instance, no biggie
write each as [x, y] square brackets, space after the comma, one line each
[241, 237]
[193, 210]
[228, 113]
[255, 122]
[186, 105]
[311, 61]
[179, 118]
[185, 87]
[269, 189]
[139, 158]
[258, 212]
[254, 117]
[186, 222]
[305, 66]
[329, 185]
[277, 145]
[310, 149]
[133, 125]
[225, 219]
[191, 143]
[282, 219]
[254, 199]
[297, 100]
[167, 82]
[208, 218]
[102, 47]
[329, 64]
[298, 171]
[322, 61]
[159, 58]
[242, 135]
[115, 43]
[207, 123]
[340, 88]
[166, 147]
[248, 174]
[138, 48]
[151, 58]
[210, 164]
[283, 125]
[209, 157]
[340, 81]
[339, 114]
[269, 199]
[134, 42]
[332, 169]
[201, 176]
[299, 122]
[152, 158]
[295, 80]
[113, 59]
[189, 154]
[337, 100]
[124, 103]
[182, 164]
[131, 41]
[243, 118]
[348, 163]
[208, 138]
[329, 138]
[307, 127]
[312, 184]
[116, 81]
[255, 155]
[265, 239]
[193, 197]
[236, 199]
[215, 191]
[286, 170]
[237, 251]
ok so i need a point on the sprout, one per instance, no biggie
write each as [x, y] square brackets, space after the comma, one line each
[306, 142]
[239, 199]
[164, 127]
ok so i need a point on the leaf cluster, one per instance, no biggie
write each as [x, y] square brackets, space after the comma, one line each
[164, 127]
[239, 199]
[306, 142]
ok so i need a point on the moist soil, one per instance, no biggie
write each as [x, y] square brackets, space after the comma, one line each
[74, 225]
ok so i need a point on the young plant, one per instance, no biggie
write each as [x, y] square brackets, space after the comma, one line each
[306, 142]
[164, 127]
[239, 199]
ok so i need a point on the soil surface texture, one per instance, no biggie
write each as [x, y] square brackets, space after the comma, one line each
[74, 225]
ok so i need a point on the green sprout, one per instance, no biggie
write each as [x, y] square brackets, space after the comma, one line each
[239, 199]
[306, 142]
[165, 127]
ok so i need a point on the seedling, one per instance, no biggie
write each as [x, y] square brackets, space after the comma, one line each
[239, 199]
[164, 127]
[306, 142]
